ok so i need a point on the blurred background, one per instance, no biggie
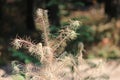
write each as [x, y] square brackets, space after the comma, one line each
[100, 31]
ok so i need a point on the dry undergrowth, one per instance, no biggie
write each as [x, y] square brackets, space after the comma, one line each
[63, 67]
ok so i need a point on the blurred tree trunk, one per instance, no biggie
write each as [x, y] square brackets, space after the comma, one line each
[1, 12]
[30, 19]
[112, 8]
[53, 12]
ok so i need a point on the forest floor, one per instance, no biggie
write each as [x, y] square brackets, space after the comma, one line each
[109, 68]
